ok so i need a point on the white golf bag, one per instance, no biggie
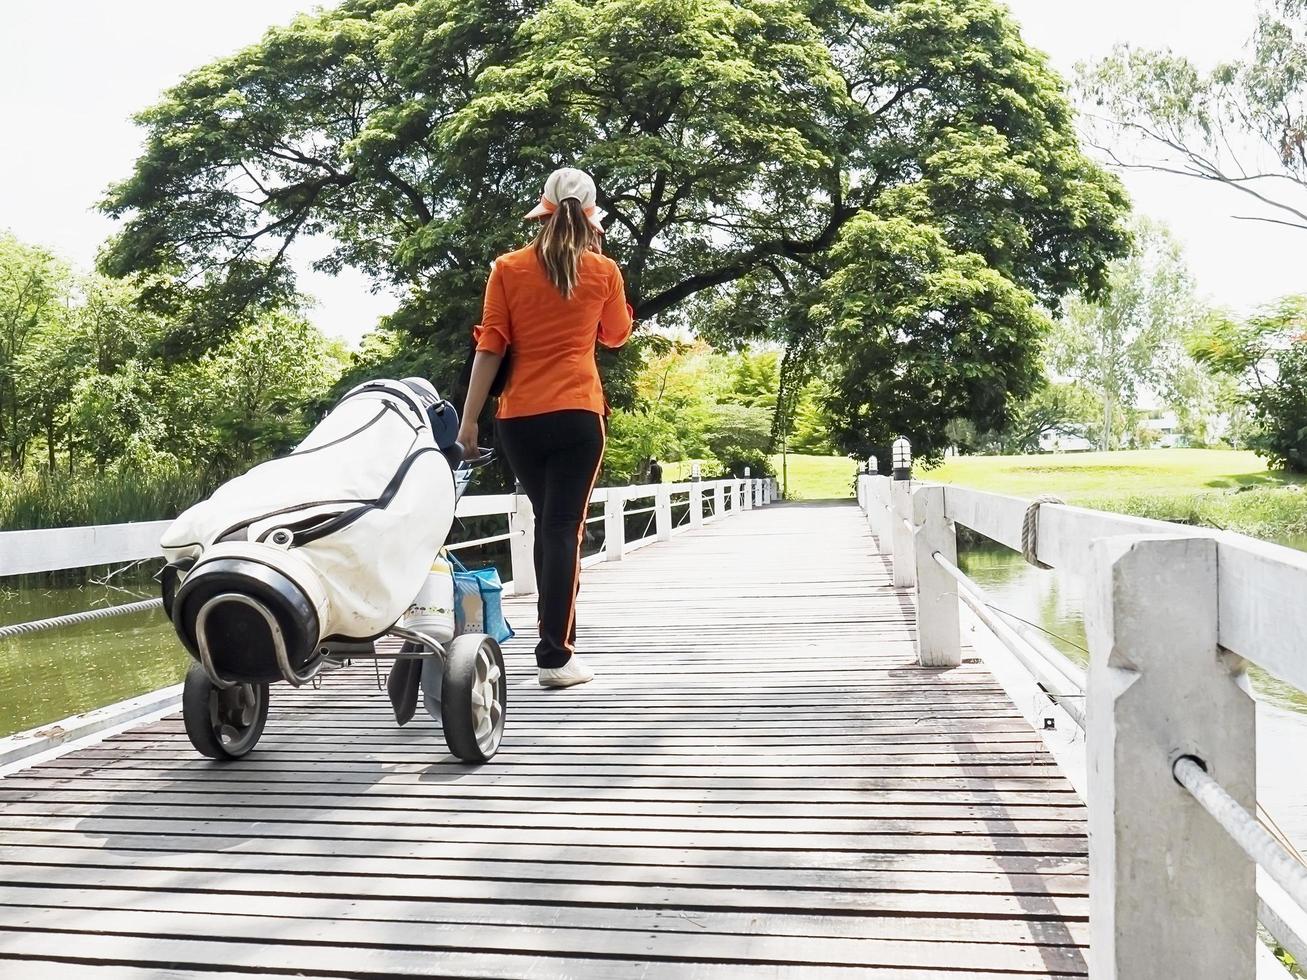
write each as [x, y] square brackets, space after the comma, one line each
[331, 542]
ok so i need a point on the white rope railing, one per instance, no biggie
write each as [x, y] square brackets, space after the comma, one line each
[1284, 867]
[73, 619]
[1073, 674]
[1058, 683]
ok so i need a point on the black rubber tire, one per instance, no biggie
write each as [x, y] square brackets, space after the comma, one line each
[470, 663]
[210, 715]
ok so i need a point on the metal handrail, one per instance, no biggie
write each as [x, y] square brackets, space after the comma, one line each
[73, 619]
[1285, 869]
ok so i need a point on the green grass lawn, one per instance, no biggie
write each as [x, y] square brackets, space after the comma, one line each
[817, 477]
[1098, 476]
[1211, 487]
[810, 477]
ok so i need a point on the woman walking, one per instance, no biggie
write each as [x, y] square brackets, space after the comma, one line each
[546, 306]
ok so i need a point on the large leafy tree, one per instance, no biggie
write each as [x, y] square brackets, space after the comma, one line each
[927, 334]
[740, 145]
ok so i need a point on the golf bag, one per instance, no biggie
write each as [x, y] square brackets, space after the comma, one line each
[331, 542]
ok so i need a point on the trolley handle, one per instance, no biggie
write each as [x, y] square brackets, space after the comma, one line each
[486, 457]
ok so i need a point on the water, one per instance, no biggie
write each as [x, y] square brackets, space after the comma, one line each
[1054, 601]
[48, 676]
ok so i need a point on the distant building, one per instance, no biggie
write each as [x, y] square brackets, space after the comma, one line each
[1064, 442]
[1164, 431]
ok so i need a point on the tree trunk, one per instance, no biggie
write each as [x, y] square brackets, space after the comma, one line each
[1108, 420]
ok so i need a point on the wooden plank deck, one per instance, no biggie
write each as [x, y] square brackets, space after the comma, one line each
[760, 783]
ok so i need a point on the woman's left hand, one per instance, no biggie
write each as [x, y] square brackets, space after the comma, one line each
[469, 435]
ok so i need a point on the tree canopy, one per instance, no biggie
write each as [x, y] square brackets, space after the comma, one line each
[1134, 338]
[1265, 355]
[1243, 124]
[745, 150]
[79, 386]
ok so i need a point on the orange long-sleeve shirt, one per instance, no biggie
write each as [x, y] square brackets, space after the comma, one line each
[552, 338]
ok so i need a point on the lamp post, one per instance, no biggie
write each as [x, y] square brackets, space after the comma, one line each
[902, 453]
[873, 466]
[696, 474]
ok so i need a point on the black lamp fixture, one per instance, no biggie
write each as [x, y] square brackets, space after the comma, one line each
[902, 459]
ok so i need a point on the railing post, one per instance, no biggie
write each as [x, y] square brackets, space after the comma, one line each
[1171, 894]
[522, 525]
[862, 492]
[746, 493]
[696, 504]
[900, 534]
[719, 500]
[737, 488]
[878, 512]
[663, 512]
[614, 524]
[939, 636]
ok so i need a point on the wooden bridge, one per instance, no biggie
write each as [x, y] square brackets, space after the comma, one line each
[764, 781]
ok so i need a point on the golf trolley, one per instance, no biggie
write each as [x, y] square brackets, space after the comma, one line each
[264, 606]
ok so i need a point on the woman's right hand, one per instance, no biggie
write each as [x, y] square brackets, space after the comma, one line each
[469, 435]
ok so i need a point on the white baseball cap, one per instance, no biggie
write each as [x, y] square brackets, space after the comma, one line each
[568, 182]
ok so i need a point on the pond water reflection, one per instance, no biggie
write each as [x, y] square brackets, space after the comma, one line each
[48, 676]
[1054, 601]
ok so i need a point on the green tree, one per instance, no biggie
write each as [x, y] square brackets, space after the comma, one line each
[740, 436]
[927, 335]
[1241, 125]
[124, 418]
[249, 396]
[103, 331]
[810, 432]
[755, 379]
[1055, 409]
[1280, 410]
[738, 145]
[1266, 355]
[34, 294]
[1133, 338]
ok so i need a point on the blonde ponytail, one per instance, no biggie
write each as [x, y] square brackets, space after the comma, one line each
[566, 235]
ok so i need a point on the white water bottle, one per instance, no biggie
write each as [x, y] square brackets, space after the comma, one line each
[432, 612]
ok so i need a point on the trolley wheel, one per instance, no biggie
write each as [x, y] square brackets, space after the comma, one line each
[473, 697]
[222, 723]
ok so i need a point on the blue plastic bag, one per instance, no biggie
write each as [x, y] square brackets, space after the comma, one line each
[478, 602]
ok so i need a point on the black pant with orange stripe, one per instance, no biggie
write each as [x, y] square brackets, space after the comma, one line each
[556, 457]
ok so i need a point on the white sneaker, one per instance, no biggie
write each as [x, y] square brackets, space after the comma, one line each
[572, 672]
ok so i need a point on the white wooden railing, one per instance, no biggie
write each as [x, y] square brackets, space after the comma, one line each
[53, 549]
[30, 552]
[1175, 614]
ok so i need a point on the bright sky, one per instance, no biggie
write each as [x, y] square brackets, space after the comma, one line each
[73, 71]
